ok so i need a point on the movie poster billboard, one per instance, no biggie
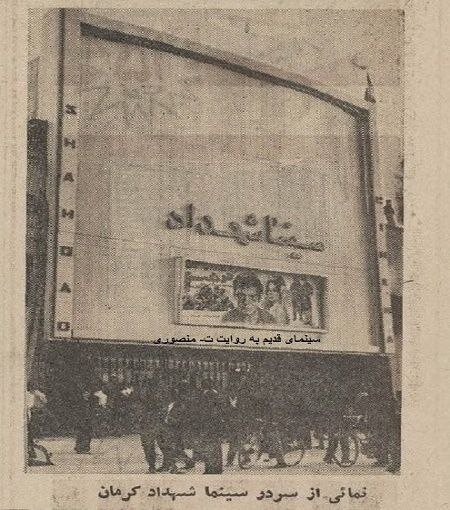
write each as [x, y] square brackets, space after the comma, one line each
[235, 296]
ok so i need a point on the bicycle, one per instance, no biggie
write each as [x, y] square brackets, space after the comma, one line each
[339, 456]
[33, 447]
[359, 441]
[256, 445]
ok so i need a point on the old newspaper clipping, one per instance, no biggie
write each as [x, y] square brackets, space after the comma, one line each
[217, 266]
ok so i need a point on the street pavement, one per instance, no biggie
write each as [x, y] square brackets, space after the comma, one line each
[124, 455]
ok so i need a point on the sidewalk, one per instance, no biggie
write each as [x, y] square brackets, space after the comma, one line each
[124, 455]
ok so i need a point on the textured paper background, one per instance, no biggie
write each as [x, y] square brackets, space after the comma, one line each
[423, 482]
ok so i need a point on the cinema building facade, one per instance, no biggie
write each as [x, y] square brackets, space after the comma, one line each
[198, 212]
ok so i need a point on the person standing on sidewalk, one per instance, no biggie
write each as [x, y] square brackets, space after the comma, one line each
[210, 425]
[381, 417]
[237, 419]
[395, 441]
[337, 402]
[85, 421]
[152, 404]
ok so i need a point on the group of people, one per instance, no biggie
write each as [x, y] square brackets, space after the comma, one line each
[175, 418]
[273, 303]
[179, 417]
[375, 413]
[107, 407]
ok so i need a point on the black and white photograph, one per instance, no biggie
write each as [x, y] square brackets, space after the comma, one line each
[214, 243]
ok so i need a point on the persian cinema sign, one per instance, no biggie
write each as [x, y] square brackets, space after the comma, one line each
[267, 230]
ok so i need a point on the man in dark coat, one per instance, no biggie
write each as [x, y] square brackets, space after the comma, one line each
[210, 425]
[237, 416]
[178, 423]
[302, 292]
[337, 402]
[381, 419]
[153, 403]
[395, 442]
[85, 421]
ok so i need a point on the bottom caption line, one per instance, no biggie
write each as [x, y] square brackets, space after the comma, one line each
[115, 492]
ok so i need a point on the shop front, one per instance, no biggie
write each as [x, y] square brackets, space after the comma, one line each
[305, 379]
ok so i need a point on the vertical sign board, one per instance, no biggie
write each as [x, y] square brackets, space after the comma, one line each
[384, 275]
[63, 321]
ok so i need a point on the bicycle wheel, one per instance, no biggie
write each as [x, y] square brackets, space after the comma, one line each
[47, 455]
[349, 458]
[293, 450]
[249, 451]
